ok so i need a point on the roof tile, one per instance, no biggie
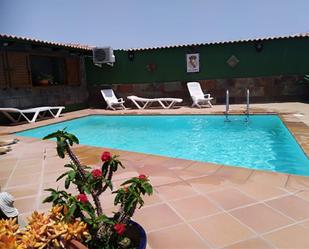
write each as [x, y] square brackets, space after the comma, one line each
[66, 45]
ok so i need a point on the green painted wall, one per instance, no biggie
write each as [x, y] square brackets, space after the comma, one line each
[278, 57]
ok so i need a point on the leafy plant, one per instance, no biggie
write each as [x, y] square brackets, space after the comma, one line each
[106, 232]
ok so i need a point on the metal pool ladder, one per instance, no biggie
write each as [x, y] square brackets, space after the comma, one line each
[248, 106]
[227, 106]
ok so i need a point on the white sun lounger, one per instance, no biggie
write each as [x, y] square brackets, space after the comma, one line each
[37, 112]
[197, 95]
[168, 103]
[111, 100]
[142, 103]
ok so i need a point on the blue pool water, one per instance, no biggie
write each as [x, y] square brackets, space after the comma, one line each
[262, 143]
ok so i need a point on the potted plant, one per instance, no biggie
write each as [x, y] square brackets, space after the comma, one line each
[118, 231]
[45, 79]
[43, 231]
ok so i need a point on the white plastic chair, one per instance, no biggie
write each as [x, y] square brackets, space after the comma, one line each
[198, 97]
[111, 100]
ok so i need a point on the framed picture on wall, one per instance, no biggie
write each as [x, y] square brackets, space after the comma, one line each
[193, 63]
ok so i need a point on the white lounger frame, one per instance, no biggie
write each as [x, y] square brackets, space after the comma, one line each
[37, 112]
[142, 103]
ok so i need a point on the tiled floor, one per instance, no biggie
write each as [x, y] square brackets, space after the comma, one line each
[195, 205]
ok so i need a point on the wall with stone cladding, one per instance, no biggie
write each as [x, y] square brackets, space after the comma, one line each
[63, 95]
[262, 90]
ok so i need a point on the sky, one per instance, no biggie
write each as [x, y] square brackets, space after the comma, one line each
[144, 23]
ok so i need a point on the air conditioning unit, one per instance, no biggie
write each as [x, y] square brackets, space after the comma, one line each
[103, 55]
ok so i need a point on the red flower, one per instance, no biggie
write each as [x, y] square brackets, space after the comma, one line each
[96, 173]
[126, 189]
[120, 228]
[142, 177]
[82, 198]
[106, 156]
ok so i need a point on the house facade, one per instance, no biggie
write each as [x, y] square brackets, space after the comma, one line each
[40, 73]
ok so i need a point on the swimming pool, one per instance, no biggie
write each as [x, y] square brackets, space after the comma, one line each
[262, 143]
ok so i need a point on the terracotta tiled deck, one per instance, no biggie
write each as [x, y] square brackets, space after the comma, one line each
[195, 205]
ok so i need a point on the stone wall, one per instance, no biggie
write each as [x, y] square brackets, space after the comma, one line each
[262, 90]
[63, 95]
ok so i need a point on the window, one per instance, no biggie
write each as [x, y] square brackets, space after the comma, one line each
[47, 70]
